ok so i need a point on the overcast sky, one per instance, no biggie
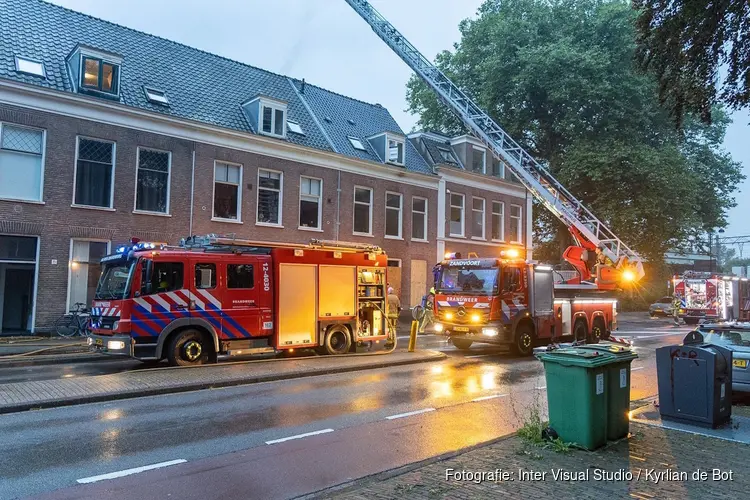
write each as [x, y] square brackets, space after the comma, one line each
[327, 43]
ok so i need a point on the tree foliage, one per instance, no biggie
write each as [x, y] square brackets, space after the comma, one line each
[558, 75]
[685, 42]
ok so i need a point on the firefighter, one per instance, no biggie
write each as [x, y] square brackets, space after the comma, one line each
[676, 304]
[428, 304]
[393, 310]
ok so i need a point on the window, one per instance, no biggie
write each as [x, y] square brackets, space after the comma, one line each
[227, 180]
[515, 224]
[419, 218]
[240, 276]
[477, 218]
[393, 208]
[310, 206]
[357, 143]
[511, 279]
[498, 220]
[457, 215]
[272, 120]
[18, 248]
[205, 276]
[167, 277]
[84, 270]
[29, 66]
[21, 166]
[294, 127]
[396, 151]
[478, 156]
[498, 168]
[99, 75]
[362, 210]
[152, 181]
[269, 197]
[447, 155]
[94, 176]
[156, 96]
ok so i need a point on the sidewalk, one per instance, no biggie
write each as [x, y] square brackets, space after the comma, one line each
[62, 392]
[658, 460]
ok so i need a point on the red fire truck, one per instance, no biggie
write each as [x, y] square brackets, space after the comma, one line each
[707, 296]
[214, 295]
[508, 301]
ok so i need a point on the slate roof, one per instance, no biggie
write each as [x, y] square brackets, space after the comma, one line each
[200, 86]
[433, 149]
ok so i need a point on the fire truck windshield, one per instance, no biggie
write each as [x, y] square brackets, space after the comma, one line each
[114, 282]
[473, 280]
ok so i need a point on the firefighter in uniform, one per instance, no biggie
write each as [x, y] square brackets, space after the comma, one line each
[428, 317]
[393, 310]
[676, 304]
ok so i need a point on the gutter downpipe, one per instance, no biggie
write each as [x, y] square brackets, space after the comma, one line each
[192, 193]
[338, 206]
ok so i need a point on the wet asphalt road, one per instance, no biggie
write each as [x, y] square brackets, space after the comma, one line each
[50, 449]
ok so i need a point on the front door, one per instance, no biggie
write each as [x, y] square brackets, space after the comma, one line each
[17, 297]
[417, 281]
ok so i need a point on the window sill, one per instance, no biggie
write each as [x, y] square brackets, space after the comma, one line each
[268, 224]
[229, 221]
[478, 238]
[516, 242]
[493, 240]
[451, 235]
[313, 229]
[20, 200]
[90, 207]
[419, 241]
[146, 212]
[366, 235]
[387, 237]
[275, 136]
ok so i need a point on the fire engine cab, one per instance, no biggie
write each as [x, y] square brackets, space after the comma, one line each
[213, 295]
[508, 301]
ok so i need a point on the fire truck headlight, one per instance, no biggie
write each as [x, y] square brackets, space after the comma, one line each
[115, 345]
[449, 315]
[90, 341]
[438, 327]
[475, 318]
[490, 332]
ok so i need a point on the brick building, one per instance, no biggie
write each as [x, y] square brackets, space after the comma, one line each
[107, 133]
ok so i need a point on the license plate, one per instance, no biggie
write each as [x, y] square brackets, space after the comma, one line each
[658, 310]
[461, 328]
[99, 342]
[739, 363]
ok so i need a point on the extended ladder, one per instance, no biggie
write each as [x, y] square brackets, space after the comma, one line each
[536, 178]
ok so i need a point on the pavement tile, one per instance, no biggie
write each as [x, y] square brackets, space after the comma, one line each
[648, 452]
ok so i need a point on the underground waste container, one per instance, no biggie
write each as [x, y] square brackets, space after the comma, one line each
[617, 382]
[576, 397]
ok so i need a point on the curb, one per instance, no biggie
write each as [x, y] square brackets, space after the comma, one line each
[197, 386]
[51, 359]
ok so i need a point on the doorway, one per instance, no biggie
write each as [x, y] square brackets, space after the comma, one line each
[18, 293]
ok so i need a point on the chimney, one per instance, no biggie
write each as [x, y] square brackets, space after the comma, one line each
[302, 90]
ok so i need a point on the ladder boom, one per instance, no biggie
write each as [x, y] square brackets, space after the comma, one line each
[534, 176]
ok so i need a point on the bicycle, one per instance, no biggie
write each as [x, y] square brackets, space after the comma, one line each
[75, 322]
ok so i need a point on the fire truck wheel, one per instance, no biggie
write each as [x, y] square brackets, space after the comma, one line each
[188, 348]
[597, 331]
[462, 344]
[579, 331]
[338, 340]
[524, 344]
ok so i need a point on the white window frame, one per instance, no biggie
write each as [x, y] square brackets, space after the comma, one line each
[516, 238]
[370, 206]
[103, 59]
[40, 201]
[484, 218]
[169, 182]
[484, 159]
[111, 207]
[425, 213]
[400, 235]
[20, 59]
[320, 204]
[356, 140]
[292, 125]
[281, 198]
[501, 213]
[388, 139]
[274, 107]
[238, 220]
[70, 263]
[463, 215]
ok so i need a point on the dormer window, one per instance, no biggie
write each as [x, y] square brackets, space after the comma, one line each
[99, 75]
[273, 120]
[30, 66]
[395, 151]
[389, 146]
[268, 116]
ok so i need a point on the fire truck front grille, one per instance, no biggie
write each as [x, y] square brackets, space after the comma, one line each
[462, 319]
[103, 322]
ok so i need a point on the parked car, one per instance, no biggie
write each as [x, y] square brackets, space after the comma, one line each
[735, 337]
[662, 307]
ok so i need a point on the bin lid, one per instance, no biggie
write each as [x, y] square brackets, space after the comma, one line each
[575, 356]
[617, 353]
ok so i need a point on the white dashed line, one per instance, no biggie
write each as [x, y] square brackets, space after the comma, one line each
[128, 472]
[485, 398]
[300, 436]
[637, 368]
[409, 414]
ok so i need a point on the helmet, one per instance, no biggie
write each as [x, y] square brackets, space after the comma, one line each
[432, 290]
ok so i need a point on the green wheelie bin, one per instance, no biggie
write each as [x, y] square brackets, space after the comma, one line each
[576, 395]
[617, 380]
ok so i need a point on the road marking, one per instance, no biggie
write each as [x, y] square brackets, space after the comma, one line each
[540, 388]
[299, 436]
[660, 335]
[478, 355]
[637, 368]
[409, 414]
[485, 398]
[128, 472]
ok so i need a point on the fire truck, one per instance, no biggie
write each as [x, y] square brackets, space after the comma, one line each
[511, 302]
[214, 296]
[706, 296]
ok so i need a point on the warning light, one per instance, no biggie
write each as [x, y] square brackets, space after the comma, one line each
[511, 253]
[452, 255]
[475, 318]
[628, 275]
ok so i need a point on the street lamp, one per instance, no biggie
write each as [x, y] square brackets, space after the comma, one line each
[711, 248]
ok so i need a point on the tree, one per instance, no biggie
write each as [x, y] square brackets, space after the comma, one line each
[685, 42]
[559, 77]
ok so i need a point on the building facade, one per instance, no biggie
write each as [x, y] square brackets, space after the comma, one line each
[107, 134]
